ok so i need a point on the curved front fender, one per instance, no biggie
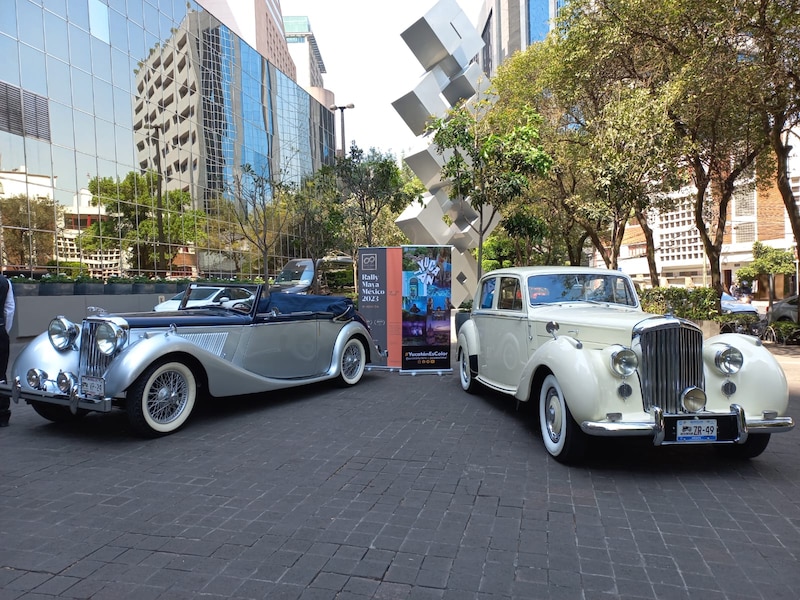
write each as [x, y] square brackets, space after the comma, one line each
[468, 339]
[579, 371]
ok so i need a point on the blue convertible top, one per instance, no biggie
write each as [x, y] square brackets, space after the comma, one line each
[337, 306]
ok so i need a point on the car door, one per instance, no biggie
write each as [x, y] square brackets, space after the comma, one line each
[286, 347]
[502, 324]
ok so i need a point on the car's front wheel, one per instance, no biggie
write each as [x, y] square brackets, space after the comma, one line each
[161, 399]
[352, 362]
[468, 383]
[561, 435]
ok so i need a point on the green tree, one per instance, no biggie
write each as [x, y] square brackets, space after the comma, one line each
[370, 185]
[489, 162]
[28, 226]
[261, 208]
[133, 221]
[767, 261]
[690, 58]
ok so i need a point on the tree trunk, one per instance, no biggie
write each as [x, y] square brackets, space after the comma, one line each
[650, 247]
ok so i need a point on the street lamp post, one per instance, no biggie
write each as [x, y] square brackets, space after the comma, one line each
[159, 202]
[341, 110]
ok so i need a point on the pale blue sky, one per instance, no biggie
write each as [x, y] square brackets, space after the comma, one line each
[368, 63]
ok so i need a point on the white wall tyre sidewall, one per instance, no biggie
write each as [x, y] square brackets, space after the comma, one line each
[352, 362]
[553, 415]
[191, 396]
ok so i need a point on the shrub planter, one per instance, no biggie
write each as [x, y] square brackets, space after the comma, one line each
[25, 289]
[167, 287]
[89, 288]
[144, 288]
[117, 288]
[56, 288]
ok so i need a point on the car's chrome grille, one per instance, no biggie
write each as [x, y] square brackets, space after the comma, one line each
[671, 361]
[93, 362]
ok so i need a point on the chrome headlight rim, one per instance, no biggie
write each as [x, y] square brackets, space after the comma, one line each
[109, 337]
[624, 362]
[62, 333]
[728, 360]
[693, 400]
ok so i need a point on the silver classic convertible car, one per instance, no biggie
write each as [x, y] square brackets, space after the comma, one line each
[155, 365]
[576, 342]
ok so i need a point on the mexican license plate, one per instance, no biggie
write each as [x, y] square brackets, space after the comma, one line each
[93, 386]
[697, 430]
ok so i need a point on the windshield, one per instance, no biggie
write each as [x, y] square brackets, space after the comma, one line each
[580, 287]
[296, 271]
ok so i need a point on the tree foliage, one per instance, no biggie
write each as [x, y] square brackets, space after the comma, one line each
[489, 161]
[28, 226]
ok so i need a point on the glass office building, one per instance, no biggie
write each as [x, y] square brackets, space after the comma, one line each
[135, 134]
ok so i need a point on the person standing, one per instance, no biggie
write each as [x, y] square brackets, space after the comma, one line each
[7, 302]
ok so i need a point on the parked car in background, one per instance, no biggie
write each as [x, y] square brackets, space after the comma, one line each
[226, 296]
[732, 306]
[157, 365]
[783, 310]
[298, 274]
[743, 317]
[576, 342]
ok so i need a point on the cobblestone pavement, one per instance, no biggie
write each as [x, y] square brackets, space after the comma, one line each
[399, 488]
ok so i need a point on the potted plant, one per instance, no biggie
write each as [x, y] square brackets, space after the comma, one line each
[24, 286]
[56, 284]
[143, 285]
[119, 284]
[87, 285]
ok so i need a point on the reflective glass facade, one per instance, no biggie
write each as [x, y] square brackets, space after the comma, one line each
[143, 104]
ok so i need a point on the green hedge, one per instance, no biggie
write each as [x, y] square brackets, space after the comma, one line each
[697, 304]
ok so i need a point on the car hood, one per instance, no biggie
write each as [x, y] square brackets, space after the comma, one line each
[191, 317]
[591, 324]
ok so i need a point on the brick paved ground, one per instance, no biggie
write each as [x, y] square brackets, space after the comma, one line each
[400, 488]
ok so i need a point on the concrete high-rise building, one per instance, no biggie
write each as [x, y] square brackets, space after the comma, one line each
[307, 58]
[508, 26]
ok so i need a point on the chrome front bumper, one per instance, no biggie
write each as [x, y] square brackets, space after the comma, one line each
[14, 391]
[658, 428]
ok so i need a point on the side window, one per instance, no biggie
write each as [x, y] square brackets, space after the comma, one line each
[487, 293]
[510, 297]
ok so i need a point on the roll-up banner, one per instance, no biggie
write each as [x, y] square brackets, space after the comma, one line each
[405, 296]
[426, 308]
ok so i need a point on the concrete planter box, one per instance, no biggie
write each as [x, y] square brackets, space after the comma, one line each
[56, 288]
[117, 288]
[89, 288]
[144, 288]
[25, 289]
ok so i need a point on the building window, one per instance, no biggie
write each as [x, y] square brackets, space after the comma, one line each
[744, 201]
[24, 113]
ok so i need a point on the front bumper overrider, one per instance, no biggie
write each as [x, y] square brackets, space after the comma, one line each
[73, 401]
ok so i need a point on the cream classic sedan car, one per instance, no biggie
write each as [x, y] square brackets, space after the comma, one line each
[577, 342]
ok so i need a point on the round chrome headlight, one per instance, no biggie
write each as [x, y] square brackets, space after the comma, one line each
[36, 378]
[693, 399]
[62, 333]
[109, 337]
[624, 362]
[65, 382]
[729, 360]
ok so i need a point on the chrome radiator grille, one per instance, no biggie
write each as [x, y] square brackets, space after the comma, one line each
[671, 361]
[93, 362]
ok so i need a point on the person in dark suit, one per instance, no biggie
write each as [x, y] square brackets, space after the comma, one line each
[7, 302]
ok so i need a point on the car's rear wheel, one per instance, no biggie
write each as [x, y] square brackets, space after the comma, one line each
[352, 362]
[161, 399]
[56, 413]
[561, 435]
[754, 446]
[468, 384]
